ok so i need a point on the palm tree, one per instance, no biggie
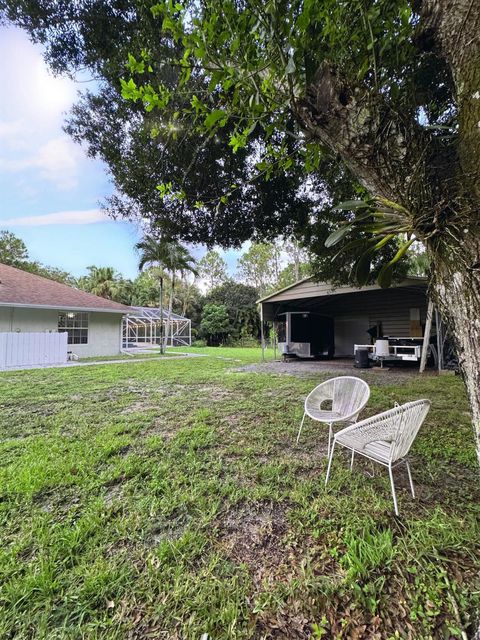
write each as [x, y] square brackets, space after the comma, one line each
[104, 282]
[171, 257]
[187, 295]
[178, 263]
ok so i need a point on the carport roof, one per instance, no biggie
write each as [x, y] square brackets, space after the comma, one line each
[308, 288]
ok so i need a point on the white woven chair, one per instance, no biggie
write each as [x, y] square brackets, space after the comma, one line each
[385, 438]
[347, 396]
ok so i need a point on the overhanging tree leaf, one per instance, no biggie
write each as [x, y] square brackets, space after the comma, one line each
[338, 235]
[362, 268]
[351, 205]
[385, 275]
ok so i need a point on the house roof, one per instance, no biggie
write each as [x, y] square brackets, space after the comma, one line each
[308, 288]
[20, 288]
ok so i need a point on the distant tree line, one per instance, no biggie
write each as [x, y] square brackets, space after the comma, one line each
[222, 308]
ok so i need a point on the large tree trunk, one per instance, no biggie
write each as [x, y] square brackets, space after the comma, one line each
[455, 289]
[437, 186]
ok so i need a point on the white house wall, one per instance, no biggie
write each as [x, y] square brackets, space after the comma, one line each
[103, 328]
[23, 319]
[103, 336]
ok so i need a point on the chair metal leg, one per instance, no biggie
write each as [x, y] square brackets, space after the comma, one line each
[351, 461]
[330, 435]
[330, 463]
[410, 478]
[301, 427]
[393, 489]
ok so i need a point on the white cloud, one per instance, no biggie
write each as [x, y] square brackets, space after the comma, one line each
[10, 131]
[56, 161]
[88, 216]
[32, 112]
[38, 97]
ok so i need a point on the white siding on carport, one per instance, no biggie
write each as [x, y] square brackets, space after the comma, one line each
[392, 310]
[348, 332]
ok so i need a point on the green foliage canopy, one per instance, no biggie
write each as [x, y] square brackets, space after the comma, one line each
[262, 59]
[240, 301]
[215, 323]
[106, 283]
[225, 197]
[13, 250]
[213, 269]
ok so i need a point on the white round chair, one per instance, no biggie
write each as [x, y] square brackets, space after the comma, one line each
[385, 438]
[338, 400]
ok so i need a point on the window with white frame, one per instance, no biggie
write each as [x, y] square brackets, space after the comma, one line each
[75, 323]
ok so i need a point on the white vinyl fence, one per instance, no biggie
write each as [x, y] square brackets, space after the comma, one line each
[32, 349]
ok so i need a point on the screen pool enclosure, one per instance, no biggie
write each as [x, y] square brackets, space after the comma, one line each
[143, 327]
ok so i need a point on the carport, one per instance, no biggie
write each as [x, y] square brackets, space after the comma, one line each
[333, 319]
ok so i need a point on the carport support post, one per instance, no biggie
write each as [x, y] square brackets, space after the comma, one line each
[262, 338]
[426, 336]
[274, 337]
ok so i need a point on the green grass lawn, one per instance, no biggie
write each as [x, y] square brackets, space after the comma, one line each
[155, 353]
[168, 499]
[243, 355]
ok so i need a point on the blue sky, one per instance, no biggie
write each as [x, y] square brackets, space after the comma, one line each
[50, 191]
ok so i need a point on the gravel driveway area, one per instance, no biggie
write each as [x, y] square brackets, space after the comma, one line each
[341, 367]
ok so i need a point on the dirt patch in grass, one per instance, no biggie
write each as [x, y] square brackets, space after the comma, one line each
[233, 420]
[215, 393]
[114, 493]
[317, 452]
[151, 399]
[59, 504]
[254, 534]
[257, 535]
[285, 625]
[168, 529]
[160, 427]
[139, 406]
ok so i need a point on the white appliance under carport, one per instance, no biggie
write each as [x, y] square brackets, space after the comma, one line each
[393, 349]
